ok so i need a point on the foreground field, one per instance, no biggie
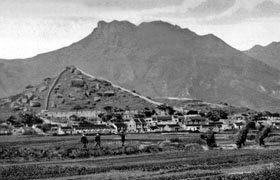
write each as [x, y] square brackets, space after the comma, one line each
[173, 163]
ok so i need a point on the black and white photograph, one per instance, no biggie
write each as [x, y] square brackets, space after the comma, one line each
[140, 89]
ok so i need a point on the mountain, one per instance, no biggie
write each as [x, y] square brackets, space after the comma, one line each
[269, 54]
[156, 59]
[71, 90]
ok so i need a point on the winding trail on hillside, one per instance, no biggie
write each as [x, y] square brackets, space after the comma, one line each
[52, 87]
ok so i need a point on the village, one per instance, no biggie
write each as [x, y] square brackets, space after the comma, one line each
[147, 121]
[76, 103]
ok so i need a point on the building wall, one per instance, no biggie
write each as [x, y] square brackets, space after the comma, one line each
[192, 128]
[131, 126]
[89, 114]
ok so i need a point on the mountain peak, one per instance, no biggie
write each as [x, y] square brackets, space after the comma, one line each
[268, 54]
[115, 26]
[274, 44]
[256, 47]
[167, 25]
[159, 23]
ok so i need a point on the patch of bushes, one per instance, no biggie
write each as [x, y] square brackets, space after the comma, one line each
[29, 131]
[175, 140]
[193, 148]
[17, 154]
[196, 140]
[26, 172]
[152, 149]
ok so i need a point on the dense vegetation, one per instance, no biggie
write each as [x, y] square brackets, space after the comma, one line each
[14, 152]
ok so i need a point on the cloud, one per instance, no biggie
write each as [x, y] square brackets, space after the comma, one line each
[267, 9]
[212, 7]
[243, 11]
[130, 4]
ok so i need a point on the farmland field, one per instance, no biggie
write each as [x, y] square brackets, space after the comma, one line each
[145, 156]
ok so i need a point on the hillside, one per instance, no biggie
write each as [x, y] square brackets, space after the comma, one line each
[269, 54]
[156, 59]
[72, 90]
[202, 106]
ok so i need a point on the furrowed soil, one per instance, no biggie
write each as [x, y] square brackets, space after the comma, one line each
[173, 163]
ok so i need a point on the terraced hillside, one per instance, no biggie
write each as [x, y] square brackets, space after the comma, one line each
[73, 89]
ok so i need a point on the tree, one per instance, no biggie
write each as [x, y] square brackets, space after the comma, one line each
[46, 127]
[107, 117]
[257, 116]
[223, 114]
[192, 112]
[178, 114]
[147, 112]
[101, 115]
[118, 117]
[30, 119]
[12, 119]
[202, 114]
[213, 115]
[82, 119]
[154, 112]
[168, 109]
[108, 109]
[162, 107]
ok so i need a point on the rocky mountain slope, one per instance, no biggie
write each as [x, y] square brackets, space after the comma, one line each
[156, 59]
[74, 90]
[269, 54]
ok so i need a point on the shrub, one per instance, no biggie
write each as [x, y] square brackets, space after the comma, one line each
[193, 148]
[175, 140]
[251, 137]
[152, 149]
[196, 140]
[131, 150]
[29, 131]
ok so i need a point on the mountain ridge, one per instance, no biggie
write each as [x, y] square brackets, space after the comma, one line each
[156, 59]
[269, 54]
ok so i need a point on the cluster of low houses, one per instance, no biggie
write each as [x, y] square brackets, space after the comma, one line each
[132, 122]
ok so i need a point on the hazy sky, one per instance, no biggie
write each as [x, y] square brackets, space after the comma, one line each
[30, 27]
